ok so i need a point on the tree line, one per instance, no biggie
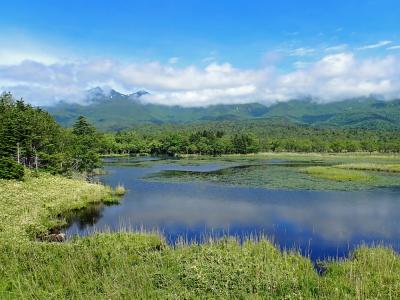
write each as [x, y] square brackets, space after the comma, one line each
[31, 138]
[232, 137]
[205, 142]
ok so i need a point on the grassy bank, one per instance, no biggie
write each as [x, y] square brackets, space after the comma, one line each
[135, 265]
[29, 208]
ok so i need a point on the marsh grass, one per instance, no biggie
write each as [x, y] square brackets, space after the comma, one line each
[119, 190]
[282, 176]
[311, 171]
[336, 174]
[371, 167]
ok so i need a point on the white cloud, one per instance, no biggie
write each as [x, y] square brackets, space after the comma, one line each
[377, 45]
[397, 47]
[332, 77]
[156, 76]
[334, 65]
[238, 94]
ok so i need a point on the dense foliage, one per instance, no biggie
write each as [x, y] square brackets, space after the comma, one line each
[10, 169]
[215, 138]
[30, 137]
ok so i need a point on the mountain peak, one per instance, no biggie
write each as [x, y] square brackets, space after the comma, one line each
[97, 94]
[114, 94]
[139, 94]
[96, 91]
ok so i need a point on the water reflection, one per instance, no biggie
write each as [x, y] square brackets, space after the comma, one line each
[319, 223]
[85, 217]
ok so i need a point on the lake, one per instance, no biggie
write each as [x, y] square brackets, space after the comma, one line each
[320, 224]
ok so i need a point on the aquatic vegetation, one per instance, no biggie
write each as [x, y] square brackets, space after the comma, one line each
[371, 167]
[338, 174]
[119, 190]
[292, 171]
[277, 177]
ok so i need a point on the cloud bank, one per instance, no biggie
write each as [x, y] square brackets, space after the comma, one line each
[45, 80]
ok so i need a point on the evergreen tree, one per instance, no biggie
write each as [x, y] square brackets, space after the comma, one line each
[83, 128]
[86, 146]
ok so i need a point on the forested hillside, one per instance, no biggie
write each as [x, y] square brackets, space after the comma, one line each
[113, 111]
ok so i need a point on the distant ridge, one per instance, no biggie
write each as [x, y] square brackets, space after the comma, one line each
[98, 95]
[112, 110]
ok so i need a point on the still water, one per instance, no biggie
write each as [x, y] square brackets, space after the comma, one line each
[320, 224]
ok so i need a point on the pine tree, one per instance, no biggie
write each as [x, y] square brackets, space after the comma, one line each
[83, 127]
[86, 146]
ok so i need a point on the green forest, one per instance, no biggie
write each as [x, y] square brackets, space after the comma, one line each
[31, 138]
[240, 137]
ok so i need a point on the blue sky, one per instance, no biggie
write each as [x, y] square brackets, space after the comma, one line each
[279, 37]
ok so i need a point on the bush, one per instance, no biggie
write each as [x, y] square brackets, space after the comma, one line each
[9, 169]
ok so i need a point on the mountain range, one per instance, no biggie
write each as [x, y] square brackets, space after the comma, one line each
[111, 111]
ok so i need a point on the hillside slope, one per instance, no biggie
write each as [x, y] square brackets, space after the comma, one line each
[116, 111]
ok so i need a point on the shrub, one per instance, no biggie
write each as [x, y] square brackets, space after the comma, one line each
[9, 169]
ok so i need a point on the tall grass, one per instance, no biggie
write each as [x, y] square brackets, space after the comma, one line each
[140, 266]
